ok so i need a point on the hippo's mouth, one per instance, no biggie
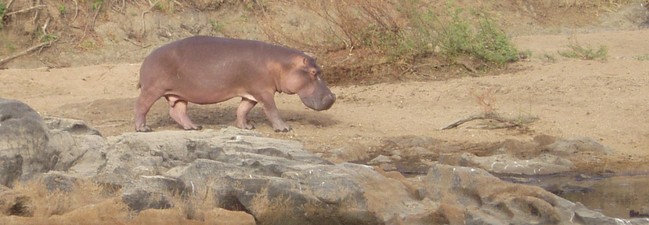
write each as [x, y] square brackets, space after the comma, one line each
[319, 104]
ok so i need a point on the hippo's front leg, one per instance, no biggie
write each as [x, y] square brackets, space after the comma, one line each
[270, 109]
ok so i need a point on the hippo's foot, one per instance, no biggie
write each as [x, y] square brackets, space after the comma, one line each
[193, 127]
[245, 126]
[143, 129]
[286, 129]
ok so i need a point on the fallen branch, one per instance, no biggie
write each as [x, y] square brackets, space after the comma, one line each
[25, 10]
[26, 51]
[136, 44]
[507, 123]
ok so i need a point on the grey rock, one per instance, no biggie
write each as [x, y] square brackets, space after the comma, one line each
[564, 147]
[380, 159]
[23, 143]
[481, 198]
[279, 182]
[58, 181]
[72, 126]
[543, 164]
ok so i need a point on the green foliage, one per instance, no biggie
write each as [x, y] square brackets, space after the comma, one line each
[62, 9]
[421, 37]
[644, 57]
[485, 40]
[576, 50]
[492, 45]
[406, 32]
[3, 8]
[216, 26]
[456, 36]
[549, 58]
[96, 4]
[49, 37]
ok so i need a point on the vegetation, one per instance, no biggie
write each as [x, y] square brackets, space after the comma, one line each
[96, 5]
[407, 34]
[3, 9]
[576, 50]
[62, 9]
[644, 57]
[394, 37]
[485, 40]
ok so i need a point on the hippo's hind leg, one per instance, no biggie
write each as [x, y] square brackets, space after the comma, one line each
[142, 106]
[178, 111]
[242, 113]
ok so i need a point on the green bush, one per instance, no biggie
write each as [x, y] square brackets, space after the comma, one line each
[456, 37]
[418, 39]
[644, 57]
[492, 45]
[485, 40]
[3, 8]
[576, 50]
[404, 32]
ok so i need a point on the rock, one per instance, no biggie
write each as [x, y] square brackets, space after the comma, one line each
[380, 159]
[23, 143]
[506, 164]
[74, 127]
[473, 196]
[140, 199]
[567, 147]
[152, 192]
[58, 181]
[270, 181]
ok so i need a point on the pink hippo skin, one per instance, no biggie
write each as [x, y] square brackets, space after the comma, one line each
[205, 70]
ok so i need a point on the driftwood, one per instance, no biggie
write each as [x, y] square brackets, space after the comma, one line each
[26, 51]
[506, 122]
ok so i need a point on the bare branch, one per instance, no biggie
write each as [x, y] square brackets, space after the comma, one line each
[25, 10]
[26, 51]
[505, 122]
[144, 13]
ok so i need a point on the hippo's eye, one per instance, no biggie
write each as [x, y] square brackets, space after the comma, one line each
[313, 72]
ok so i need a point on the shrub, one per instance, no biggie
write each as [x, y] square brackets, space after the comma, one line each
[576, 50]
[484, 40]
[644, 57]
[3, 8]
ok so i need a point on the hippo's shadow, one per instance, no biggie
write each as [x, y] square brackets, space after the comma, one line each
[218, 116]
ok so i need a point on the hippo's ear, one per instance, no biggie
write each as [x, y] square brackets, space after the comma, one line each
[309, 54]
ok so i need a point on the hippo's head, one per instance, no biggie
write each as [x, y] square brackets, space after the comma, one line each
[305, 81]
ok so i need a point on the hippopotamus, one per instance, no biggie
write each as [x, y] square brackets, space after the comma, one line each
[207, 70]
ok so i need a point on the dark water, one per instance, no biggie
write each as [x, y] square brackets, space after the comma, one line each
[620, 196]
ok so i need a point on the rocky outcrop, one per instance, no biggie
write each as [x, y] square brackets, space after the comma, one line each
[273, 181]
[24, 142]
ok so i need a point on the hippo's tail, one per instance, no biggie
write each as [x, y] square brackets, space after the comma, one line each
[139, 85]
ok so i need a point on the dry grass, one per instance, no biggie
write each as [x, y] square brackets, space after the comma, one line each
[91, 203]
[33, 203]
[272, 210]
